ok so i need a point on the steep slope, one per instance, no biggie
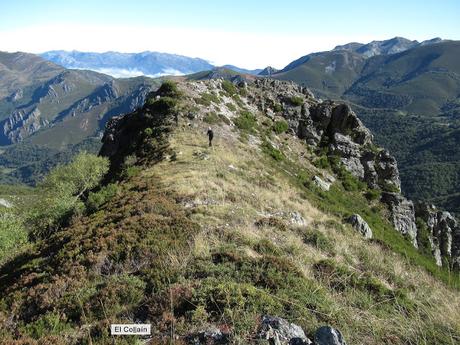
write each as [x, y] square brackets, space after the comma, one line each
[203, 242]
[410, 102]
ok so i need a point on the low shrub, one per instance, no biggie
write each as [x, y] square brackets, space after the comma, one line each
[280, 126]
[276, 154]
[245, 121]
[373, 194]
[229, 87]
[296, 100]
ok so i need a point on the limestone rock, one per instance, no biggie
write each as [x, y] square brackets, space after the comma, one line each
[327, 335]
[320, 183]
[444, 232]
[209, 336]
[402, 215]
[360, 225]
[278, 331]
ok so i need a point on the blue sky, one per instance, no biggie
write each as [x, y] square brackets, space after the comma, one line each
[247, 33]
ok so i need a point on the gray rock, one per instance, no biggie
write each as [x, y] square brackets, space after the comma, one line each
[387, 171]
[278, 331]
[360, 225]
[444, 233]
[320, 183]
[402, 215]
[296, 219]
[209, 336]
[327, 335]
[5, 203]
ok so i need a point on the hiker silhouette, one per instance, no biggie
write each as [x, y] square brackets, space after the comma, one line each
[210, 136]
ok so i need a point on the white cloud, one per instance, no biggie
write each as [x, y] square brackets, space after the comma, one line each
[248, 50]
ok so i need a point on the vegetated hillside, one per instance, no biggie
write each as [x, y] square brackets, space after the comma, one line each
[402, 97]
[206, 242]
[51, 111]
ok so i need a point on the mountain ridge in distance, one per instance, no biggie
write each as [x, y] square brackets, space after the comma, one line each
[148, 63]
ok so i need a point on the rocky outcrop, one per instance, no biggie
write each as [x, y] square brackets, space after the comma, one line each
[443, 233]
[336, 127]
[22, 123]
[360, 225]
[402, 215]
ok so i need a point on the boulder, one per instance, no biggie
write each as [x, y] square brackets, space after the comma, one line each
[320, 183]
[327, 335]
[278, 331]
[360, 225]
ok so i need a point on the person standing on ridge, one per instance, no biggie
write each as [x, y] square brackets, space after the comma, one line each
[210, 136]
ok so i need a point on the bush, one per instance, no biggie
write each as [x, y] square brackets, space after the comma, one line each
[245, 121]
[97, 199]
[280, 126]
[277, 108]
[276, 154]
[322, 162]
[229, 87]
[163, 106]
[296, 100]
[12, 233]
[169, 89]
[372, 194]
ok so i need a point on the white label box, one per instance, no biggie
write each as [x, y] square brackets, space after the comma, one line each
[131, 329]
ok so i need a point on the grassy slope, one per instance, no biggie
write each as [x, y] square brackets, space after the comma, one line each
[195, 240]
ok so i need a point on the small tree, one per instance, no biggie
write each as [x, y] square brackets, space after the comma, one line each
[61, 192]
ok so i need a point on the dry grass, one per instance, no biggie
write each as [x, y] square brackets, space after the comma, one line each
[230, 186]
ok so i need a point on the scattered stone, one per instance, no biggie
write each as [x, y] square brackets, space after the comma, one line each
[232, 167]
[278, 331]
[327, 335]
[296, 219]
[201, 155]
[360, 225]
[320, 183]
[5, 203]
[210, 336]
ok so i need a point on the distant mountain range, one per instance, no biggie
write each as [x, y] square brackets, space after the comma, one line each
[407, 92]
[123, 65]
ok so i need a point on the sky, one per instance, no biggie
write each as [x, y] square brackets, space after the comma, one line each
[249, 34]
